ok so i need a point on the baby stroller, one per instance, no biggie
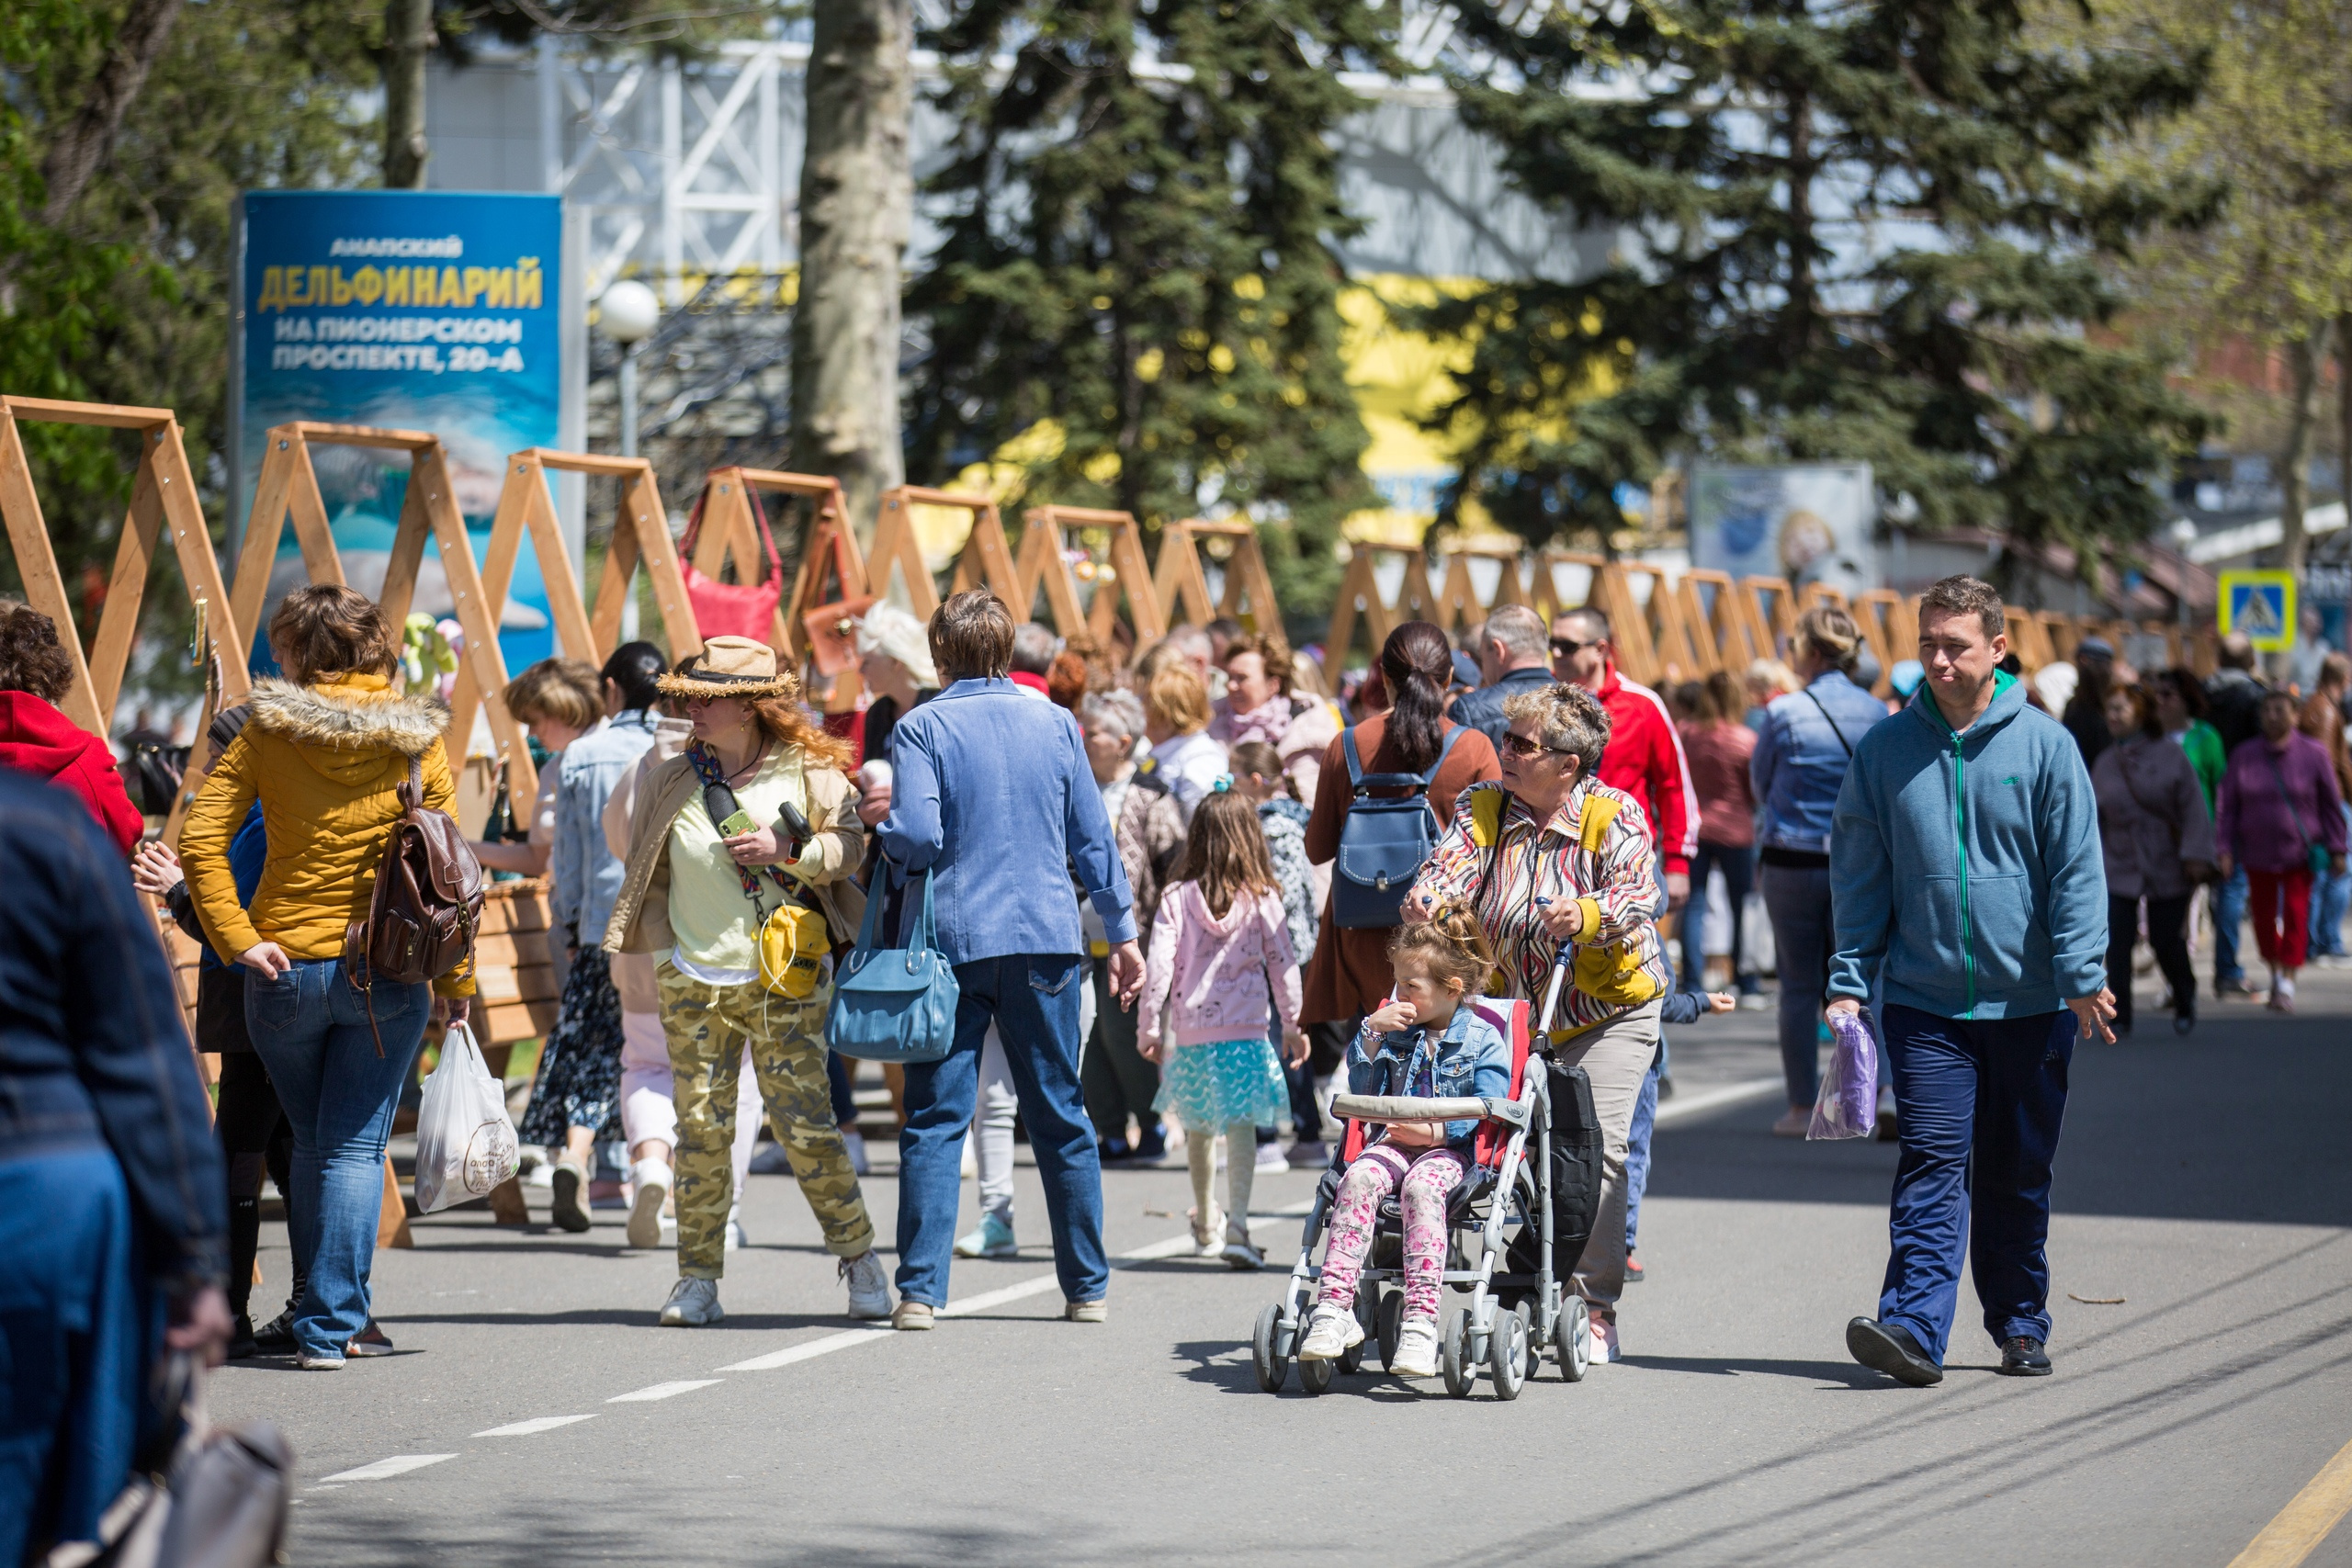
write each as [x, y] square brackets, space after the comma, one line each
[1537, 1173]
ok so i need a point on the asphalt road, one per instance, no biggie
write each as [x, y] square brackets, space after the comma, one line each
[2203, 1188]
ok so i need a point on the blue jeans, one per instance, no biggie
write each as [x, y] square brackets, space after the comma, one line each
[2330, 901]
[1737, 863]
[1637, 1148]
[1979, 1103]
[1033, 999]
[309, 1027]
[1804, 936]
[2229, 915]
[78, 1329]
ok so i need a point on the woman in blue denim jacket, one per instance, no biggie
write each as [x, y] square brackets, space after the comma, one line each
[1427, 1042]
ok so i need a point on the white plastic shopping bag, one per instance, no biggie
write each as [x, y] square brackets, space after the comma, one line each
[465, 1140]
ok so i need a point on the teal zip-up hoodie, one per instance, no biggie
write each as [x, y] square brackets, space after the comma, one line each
[1965, 869]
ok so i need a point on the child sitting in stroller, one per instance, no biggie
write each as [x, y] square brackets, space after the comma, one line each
[1427, 1043]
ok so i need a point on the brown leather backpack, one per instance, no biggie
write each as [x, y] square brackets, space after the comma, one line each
[428, 904]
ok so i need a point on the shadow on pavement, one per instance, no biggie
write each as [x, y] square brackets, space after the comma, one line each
[2241, 1122]
[1844, 1373]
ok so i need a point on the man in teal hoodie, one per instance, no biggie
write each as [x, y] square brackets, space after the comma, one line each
[1967, 883]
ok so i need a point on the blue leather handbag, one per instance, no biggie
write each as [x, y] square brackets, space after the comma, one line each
[1386, 840]
[894, 1004]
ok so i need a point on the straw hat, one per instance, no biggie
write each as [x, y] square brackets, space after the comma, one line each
[731, 667]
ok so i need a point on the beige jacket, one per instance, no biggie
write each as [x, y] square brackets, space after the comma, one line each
[640, 921]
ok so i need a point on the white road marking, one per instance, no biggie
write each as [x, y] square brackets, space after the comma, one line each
[1683, 1107]
[813, 1349]
[536, 1425]
[662, 1391]
[385, 1469]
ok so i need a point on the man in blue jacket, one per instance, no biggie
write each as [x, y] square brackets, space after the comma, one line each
[992, 795]
[1965, 872]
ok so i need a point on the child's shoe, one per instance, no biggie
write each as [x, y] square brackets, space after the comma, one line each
[1240, 1251]
[991, 1238]
[1331, 1331]
[1416, 1349]
[1205, 1230]
[1604, 1342]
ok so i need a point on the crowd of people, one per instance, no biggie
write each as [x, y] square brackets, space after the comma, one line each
[1130, 868]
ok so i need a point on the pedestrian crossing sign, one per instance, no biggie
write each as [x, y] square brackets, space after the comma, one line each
[2262, 605]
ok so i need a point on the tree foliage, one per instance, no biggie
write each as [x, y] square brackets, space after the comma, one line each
[1858, 232]
[1137, 269]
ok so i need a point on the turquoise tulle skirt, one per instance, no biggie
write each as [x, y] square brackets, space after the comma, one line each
[1208, 1087]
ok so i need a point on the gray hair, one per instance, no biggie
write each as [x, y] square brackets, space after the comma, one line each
[895, 634]
[1567, 718]
[1034, 646]
[1520, 629]
[1118, 711]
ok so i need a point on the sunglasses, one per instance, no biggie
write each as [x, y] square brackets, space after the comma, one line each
[1561, 647]
[1520, 746]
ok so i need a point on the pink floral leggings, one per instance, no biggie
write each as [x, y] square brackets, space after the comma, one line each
[1423, 1178]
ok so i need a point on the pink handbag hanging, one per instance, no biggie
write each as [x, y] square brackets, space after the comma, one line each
[723, 609]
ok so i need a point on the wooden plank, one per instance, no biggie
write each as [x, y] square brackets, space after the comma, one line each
[1358, 600]
[519, 1020]
[642, 505]
[894, 546]
[475, 615]
[308, 509]
[199, 566]
[36, 568]
[363, 435]
[135, 556]
[1043, 563]
[55, 410]
[264, 525]
[573, 631]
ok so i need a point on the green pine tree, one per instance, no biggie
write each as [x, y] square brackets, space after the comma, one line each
[1138, 253]
[1859, 232]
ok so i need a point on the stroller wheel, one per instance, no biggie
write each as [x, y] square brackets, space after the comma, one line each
[1314, 1377]
[1507, 1353]
[1454, 1357]
[1574, 1340]
[1390, 1323]
[1367, 1318]
[1271, 1366]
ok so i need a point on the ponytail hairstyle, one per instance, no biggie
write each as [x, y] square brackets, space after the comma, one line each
[1449, 945]
[1226, 853]
[1416, 666]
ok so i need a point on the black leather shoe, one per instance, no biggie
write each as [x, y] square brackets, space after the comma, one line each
[2023, 1358]
[1892, 1351]
[276, 1337]
[240, 1340]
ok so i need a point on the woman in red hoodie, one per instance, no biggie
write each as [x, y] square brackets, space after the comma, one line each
[35, 738]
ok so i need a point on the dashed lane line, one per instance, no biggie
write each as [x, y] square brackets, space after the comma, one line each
[534, 1426]
[385, 1469]
[1684, 1107]
[662, 1391]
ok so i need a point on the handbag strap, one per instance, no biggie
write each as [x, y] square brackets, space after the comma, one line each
[760, 515]
[705, 766]
[694, 527]
[1833, 723]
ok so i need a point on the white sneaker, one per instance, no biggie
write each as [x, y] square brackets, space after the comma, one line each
[1604, 1342]
[735, 1235]
[651, 1179]
[1271, 1158]
[1416, 1349]
[869, 1287]
[692, 1303]
[1332, 1329]
[855, 1140]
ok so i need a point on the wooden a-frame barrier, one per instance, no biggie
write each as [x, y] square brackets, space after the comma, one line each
[1129, 567]
[163, 492]
[289, 486]
[829, 550]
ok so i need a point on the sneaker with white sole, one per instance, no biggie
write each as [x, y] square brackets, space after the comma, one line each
[571, 1195]
[1241, 1252]
[912, 1316]
[1331, 1332]
[1271, 1158]
[692, 1304]
[651, 1179]
[860, 1162]
[869, 1287]
[1416, 1349]
[1604, 1342]
[992, 1238]
[1086, 1311]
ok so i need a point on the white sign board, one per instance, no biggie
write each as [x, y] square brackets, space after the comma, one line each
[1811, 522]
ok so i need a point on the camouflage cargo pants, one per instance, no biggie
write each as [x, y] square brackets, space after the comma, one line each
[708, 1028]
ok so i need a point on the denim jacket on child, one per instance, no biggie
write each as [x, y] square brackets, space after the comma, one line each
[1472, 1059]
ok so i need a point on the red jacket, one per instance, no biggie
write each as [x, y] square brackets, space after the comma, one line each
[1644, 759]
[38, 739]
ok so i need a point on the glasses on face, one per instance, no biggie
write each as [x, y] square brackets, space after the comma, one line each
[1568, 647]
[1520, 746]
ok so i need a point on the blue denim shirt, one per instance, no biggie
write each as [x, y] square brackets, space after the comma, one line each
[1800, 763]
[1471, 1058]
[1482, 710]
[586, 872]
[990, 793]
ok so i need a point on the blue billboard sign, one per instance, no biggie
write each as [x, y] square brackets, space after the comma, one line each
[431, 311]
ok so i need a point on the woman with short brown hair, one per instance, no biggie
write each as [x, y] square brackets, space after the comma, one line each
[36, 671]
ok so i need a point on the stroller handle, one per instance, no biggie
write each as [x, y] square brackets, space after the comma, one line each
[1407, 1108]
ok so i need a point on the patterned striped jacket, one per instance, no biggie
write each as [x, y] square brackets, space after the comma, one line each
[1596, 848]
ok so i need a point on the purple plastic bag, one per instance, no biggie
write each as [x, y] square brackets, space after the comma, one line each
[1848, 1104]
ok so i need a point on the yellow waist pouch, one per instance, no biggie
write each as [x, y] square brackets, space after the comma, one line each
[793, 947]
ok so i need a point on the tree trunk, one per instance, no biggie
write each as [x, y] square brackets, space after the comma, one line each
[856, 207]
[82, 148]
[408, 39]
[2344, 414]
[2304, 357]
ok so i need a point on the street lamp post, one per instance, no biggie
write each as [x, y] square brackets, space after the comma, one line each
[629, 312]
[2184, 533]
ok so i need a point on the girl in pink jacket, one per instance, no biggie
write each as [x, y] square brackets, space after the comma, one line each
[1221, 968]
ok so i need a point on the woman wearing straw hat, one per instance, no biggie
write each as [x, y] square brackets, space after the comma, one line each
[699, 898]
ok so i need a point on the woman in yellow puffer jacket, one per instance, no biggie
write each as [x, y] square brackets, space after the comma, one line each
[324, 752]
